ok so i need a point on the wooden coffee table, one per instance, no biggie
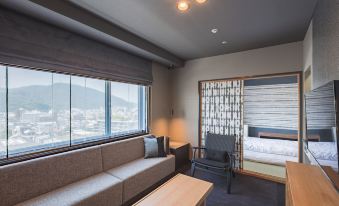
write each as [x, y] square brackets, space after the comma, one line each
[180, 190]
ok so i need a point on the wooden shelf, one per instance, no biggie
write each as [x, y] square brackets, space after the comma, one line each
[306, 185]
[176, 145]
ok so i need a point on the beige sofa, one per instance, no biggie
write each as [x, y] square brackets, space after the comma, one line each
[108, 174]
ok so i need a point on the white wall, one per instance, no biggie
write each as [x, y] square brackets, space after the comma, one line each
[160, 100]
[307, 63]
[184, 84]
[308, 48]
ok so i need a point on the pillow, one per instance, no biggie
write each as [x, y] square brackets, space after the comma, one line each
[216, 155]
[166, 144]
[151, 147]
[154, 147]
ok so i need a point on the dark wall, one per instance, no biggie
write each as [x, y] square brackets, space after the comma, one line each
[325, 42]
[271, 81]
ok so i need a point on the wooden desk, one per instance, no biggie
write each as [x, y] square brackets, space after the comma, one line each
[180, 190]
[306, 185]
[333, 175]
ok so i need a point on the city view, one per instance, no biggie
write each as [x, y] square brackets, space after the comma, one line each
[41, 116]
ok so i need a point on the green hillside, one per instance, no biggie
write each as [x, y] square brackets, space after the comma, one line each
[40, 98]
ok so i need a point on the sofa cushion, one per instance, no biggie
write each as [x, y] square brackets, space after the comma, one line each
[151, 147]
[141, 174]
[154, 147]
[101, 189]
[120, 152]
[25, 180]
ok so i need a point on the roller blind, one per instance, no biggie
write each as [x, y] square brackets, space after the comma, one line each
[28, 42]
[272, 103]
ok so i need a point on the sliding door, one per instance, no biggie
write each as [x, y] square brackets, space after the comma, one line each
[263, 112]
[221, 111]
[271, 123]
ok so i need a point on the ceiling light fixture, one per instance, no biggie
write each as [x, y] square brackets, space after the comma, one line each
[183, 5]
[214, 31]
[224, 42]
[201, 1]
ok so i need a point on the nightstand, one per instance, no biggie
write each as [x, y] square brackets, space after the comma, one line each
[181, 152]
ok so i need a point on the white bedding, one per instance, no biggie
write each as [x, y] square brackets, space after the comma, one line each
[324, 150]
[276, 151]
[331, 163]
[268, 158]
[271, 146]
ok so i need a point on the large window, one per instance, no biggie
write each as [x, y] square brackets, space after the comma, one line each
[3, 117]
[88, 109]
[29, 109]
[47, 110]
[60, 109]
[128, 108]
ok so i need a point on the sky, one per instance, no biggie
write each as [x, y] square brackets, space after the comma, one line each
[18, 77]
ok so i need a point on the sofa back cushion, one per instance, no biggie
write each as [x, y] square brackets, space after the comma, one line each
[120, 152]
[25, 180]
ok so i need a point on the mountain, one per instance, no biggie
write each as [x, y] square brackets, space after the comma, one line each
[40, 98]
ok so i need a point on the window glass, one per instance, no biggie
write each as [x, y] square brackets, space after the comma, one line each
[125, 108]
[88, 109]
[3, 127]
[61, 109]
[48, 110]
[32, 121]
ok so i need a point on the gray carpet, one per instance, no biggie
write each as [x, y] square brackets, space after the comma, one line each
[246, 190]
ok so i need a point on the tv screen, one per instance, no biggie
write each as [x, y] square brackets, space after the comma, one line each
[322, 126]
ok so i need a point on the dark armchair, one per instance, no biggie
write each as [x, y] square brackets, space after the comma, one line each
[218, 155]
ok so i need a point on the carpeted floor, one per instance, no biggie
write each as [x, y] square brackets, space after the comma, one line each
[246, 190]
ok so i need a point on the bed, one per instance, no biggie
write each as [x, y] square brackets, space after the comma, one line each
[277, 151]
[325, 153]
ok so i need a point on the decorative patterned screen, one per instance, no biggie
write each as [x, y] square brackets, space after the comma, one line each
[222, 111]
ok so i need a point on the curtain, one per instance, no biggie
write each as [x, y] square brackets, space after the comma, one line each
[321, 101]
[222, 111]
[27, 42]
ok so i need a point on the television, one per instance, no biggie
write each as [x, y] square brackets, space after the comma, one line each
[321, 138]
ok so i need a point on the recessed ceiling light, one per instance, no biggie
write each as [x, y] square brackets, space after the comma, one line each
[182, 5]
[201, 1]
[214, 31]
[224, 42]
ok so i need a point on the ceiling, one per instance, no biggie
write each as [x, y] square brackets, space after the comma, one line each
[244, 24]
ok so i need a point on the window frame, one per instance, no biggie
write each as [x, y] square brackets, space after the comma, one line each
[108, 137]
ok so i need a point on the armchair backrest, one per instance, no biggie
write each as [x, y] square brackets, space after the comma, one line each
[220, 142]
